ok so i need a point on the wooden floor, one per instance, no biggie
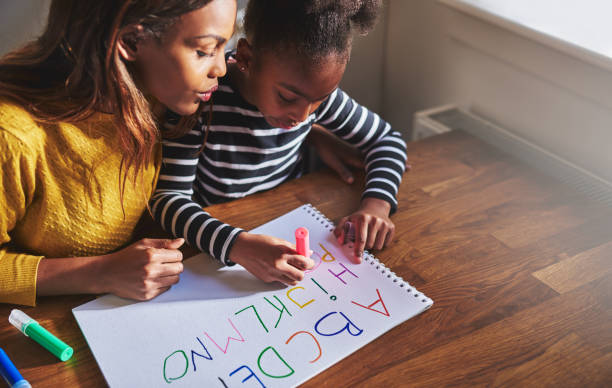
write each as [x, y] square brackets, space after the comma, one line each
[519, 267]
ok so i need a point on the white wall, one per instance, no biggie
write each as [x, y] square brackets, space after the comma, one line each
[363, 78]
[20, 21]
[436, 55]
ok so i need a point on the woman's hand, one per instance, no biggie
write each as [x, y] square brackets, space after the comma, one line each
[144, 269]
[269, 258]
[140, 271]
[373, 227]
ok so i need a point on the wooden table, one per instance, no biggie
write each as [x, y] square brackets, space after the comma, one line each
[518, 264]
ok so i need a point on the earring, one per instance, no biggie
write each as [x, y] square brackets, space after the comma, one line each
[242, 68]
[67, 50]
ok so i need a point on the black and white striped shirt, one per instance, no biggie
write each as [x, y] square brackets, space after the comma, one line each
[244, 155]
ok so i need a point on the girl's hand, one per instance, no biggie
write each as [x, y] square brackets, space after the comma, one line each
[335, 153]
[269, 258]
[373, 227]
[143, 270]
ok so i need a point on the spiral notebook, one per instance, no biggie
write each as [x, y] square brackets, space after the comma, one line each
[220, 326]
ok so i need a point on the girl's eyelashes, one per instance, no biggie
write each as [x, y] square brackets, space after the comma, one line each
[286, 99]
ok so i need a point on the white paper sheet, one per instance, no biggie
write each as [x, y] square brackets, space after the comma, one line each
[220, 326]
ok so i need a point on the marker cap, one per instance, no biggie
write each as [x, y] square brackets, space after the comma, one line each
[302, 244]
[20, 320]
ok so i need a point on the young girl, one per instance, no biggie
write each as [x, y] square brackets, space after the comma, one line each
[282, 79]
[78, 141]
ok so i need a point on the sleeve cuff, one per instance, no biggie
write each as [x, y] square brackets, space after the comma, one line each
[226, 260]
[373, 194]
[18, 278]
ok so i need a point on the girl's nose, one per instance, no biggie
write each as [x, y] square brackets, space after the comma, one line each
[301, 113]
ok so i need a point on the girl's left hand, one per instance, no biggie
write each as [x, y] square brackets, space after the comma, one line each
[373, 227]
[335, 153]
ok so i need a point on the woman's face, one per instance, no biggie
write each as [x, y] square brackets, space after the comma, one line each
[182, 70]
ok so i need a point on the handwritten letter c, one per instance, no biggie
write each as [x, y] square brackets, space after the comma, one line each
[313, 337]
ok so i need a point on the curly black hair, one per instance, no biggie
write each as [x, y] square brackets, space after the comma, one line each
[311, 28]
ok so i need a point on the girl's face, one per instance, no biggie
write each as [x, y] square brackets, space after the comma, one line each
[285, 89]
[182, 70]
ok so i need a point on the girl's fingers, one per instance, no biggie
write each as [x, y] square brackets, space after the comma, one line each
[339, 233]
[291, 272]
[287, 280]
[337, 164]
[381, 238]
[361, 234]
[300, 262]
[390, 235]
[339, 230]
[373, 231]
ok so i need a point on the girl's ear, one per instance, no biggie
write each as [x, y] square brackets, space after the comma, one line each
[244, 54]
[128, 40]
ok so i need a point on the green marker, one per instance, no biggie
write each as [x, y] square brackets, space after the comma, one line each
[32, 329]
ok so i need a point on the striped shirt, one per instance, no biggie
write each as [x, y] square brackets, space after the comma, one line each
[243, 155]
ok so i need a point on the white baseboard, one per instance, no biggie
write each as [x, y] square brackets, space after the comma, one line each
[450, 117]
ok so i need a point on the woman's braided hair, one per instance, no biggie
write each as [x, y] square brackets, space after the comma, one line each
[310, 28]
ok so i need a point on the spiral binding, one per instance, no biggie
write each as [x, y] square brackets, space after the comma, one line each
[370, 258]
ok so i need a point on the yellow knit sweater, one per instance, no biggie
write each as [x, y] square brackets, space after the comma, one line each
[59, 195]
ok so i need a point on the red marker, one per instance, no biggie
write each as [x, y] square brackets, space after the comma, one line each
[301, 242]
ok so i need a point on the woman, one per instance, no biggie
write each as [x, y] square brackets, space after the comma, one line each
[79, 150]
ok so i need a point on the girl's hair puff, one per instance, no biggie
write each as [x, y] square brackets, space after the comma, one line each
[313, 29]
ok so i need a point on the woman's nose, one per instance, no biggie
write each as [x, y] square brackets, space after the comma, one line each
[218, 68]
